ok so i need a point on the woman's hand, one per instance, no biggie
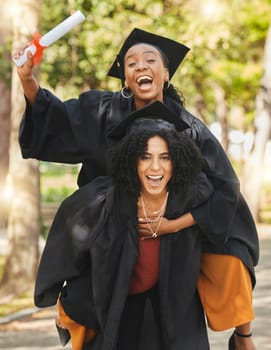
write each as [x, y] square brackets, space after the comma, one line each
[25, 73]
[144, 227]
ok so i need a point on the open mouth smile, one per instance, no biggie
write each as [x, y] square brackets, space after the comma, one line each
[155, 180]
[144, 81]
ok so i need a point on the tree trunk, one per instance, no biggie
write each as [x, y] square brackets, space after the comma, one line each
[24, 216]
[5, 77]
[253, 170]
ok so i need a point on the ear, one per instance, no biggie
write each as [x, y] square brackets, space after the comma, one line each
[166, 75]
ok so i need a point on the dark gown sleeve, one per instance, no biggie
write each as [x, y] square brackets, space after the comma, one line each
[66, 132]
[66, 255]
[225, 217]
[194, 197]
[216, 215]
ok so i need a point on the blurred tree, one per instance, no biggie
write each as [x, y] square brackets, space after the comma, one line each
[253, 171]
[5, 77]
[24, 217]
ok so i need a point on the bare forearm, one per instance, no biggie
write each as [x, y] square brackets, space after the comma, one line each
[29, 83]
[30, 87]
[182, 222]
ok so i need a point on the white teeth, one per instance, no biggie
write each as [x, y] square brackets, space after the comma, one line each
[144, 78]
[155, 177]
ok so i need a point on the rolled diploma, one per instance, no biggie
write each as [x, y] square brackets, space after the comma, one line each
[53, 35]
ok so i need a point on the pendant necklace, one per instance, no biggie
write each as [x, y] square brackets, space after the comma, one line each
[158, 212]
[157, 220]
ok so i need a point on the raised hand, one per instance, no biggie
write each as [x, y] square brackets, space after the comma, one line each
[25, 73]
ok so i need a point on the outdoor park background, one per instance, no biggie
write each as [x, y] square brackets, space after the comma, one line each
[226, 81]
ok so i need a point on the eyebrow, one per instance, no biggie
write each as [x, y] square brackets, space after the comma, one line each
[161, 154]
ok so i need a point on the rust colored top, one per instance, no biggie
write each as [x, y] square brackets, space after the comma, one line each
[146, 270]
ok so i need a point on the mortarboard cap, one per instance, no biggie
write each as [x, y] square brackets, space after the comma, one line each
[154, 115]
[174, 51]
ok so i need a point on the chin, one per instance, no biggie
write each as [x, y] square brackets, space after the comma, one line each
[155, 191]
[148, 98]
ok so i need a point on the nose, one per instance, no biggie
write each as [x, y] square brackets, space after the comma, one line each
[141, 65]
[155, 164]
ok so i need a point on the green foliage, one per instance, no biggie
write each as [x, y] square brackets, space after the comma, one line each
[57, 169]
[58, 181]
[225, 52]
[55, 195]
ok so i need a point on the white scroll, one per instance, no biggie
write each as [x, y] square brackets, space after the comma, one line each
[50, 37]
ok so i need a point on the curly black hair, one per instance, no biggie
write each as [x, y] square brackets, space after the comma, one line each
[172, 92]
[124, 155]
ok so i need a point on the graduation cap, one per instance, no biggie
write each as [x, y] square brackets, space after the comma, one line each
[172, 50]
[153, 116]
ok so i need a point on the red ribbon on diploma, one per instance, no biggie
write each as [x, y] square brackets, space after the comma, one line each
[37, 57]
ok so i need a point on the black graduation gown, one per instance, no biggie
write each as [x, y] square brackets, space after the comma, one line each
[76, 131]
[93, 247]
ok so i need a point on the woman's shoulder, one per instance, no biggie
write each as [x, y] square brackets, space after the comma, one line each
[94, 94]
[197, 129]
[191, 120]
[108, 103]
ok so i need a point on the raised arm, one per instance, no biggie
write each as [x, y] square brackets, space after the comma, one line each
[61, 131]
[29, 83]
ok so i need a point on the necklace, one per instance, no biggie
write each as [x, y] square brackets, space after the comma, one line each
[157, 220]
[158, 212]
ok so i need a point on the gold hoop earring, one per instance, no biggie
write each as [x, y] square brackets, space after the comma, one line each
[166, 85]
[125, 92]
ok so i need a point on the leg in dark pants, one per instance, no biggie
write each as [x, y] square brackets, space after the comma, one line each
[133, 317]
[131, 322]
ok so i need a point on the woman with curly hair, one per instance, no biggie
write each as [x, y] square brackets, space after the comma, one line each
[112, 273]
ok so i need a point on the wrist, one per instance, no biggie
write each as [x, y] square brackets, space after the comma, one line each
[28, 79]
[175, 226]
[182, 222]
